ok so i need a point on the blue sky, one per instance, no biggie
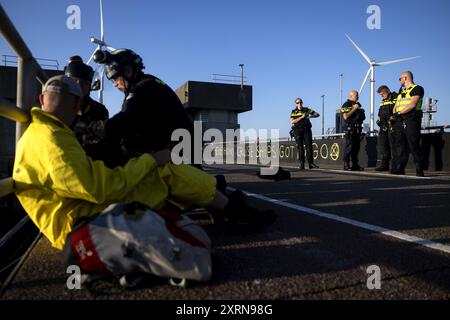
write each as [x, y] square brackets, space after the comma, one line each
[290, 48]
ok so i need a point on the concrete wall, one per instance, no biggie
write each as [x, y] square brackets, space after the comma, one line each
[8, 91]
[328, 152]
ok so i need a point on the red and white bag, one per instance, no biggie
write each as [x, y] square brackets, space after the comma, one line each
[161, 243]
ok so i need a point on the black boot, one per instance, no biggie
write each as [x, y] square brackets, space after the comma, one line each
[356, 167]
[239, 215]
[221, 183]
[302, 166]
[347, 166]
[384, 166]
[313, 166]
[419, 173]
[397, 171]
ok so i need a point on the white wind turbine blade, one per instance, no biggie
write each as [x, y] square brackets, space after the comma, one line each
[395, 61]
[360, 51]
[364, 82]
[92, 56]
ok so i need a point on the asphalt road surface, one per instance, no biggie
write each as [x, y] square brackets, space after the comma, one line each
[333, 234]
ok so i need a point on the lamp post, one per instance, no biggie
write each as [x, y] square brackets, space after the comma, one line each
[242, 75]
[323, 114]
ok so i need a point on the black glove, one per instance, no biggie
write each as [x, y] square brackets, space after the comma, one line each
[379, 123]
[394, 117]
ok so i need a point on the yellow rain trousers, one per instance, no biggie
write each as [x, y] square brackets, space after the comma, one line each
[57, 183]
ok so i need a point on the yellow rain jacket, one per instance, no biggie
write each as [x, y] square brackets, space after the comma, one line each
[57, 183]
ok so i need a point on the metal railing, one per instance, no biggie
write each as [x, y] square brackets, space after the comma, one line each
[9, 60]
[28, 70]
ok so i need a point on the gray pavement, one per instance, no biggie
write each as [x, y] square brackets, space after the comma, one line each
[303, 255]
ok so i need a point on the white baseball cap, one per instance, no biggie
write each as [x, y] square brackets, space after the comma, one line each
[62, 84]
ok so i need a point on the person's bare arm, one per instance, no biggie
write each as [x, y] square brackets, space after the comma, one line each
[294, 121]
[412, 105]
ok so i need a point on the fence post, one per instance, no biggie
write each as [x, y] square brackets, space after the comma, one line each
[26, 89]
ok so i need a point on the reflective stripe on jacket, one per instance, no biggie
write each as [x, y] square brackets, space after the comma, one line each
[404, 99]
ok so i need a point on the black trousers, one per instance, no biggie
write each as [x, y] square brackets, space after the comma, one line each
[406, 139]
[352, 144]
[303, 138]
[385, 142]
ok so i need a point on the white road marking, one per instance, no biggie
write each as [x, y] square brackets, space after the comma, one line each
[366, 173]
[387, 232]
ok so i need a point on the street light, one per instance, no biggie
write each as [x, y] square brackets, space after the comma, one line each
[242, 75]
[323, 114]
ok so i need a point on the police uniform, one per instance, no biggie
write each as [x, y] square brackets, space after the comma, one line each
[150, 113]
[353, 134]
[406, 135]
[385, 135]
[89, 128]
[302, 134]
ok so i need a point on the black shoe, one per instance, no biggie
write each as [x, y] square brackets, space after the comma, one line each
[302, 166]
[239, 215]
[419, 173]
[313, 166]
[221, 184]
[382, 167]
[357, 168]
[347, 166]
[398, 172]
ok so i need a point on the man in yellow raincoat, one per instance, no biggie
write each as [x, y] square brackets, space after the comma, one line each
[58, 184]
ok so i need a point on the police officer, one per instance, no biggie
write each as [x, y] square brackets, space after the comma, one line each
[89, 127]
[354, 116]
[301, 131]
[151, 110]
[385, 135]
[407, 120]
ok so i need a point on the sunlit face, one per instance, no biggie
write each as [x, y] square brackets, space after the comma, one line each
[403, 79]
[384, 94]
[353, 96]
[120, 83]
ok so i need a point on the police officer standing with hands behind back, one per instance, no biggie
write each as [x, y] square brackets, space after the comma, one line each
[407, 120]
[301, 131]
[354, 116]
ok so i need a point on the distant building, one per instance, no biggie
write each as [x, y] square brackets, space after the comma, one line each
[217, 105]
[339, 122]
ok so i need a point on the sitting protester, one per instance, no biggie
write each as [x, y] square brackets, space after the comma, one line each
[60, 187]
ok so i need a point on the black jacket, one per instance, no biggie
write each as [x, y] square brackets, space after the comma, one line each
[150, 113]
[357, 118]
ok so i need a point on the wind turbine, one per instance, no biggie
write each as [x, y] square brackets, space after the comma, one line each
[100, 44]
[371, 71]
